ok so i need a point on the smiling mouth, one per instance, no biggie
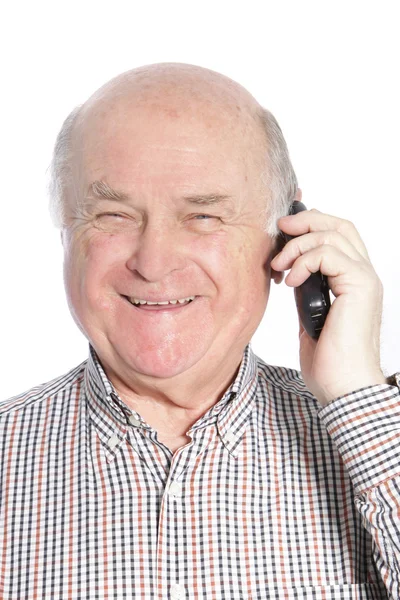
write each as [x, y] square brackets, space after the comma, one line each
[173, 306]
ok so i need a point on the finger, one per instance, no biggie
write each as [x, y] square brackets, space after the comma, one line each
[343, 272]
[299, 245]
[313, 220]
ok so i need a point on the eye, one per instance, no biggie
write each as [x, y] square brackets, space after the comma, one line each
[203, 223]
[111, 215]
[116, 221]
[200, 217]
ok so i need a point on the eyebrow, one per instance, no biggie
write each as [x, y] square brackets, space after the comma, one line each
[101, 189]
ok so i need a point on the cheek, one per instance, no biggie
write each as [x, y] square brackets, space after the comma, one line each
[215, 252]
[90, 260]
[252, 275]
[236, 268]
[248, 259]
[214, 257]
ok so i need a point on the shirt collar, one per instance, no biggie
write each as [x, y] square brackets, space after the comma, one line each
[112, 416]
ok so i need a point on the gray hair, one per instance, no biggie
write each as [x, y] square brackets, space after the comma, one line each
[60, 173]
[278, 180]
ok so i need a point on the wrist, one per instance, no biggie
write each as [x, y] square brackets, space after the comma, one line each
[358, 383]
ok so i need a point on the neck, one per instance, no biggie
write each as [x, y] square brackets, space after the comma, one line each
[176, 403]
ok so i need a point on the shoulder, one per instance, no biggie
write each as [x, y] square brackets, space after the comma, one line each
[53, 388]
[288, 410]
[284, 384]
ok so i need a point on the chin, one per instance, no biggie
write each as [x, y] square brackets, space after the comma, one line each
[165, 360]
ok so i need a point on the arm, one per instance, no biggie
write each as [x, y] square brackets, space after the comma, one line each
[365, 426]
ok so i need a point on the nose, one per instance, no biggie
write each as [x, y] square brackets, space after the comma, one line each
[157, 251]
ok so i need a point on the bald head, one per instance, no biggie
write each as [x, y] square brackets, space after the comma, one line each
[173, 92]
[163, 85]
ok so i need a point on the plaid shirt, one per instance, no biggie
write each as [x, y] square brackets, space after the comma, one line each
[274, 497]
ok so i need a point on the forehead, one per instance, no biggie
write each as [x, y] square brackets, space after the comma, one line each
[161, 143]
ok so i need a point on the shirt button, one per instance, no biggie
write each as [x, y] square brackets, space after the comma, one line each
[134, 421]
[175, 489]
[177, 591]
[230, 436]
[113, 441]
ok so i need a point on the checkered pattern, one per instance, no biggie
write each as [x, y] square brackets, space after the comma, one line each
[273, 498]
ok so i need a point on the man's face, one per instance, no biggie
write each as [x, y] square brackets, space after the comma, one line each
[156, 245]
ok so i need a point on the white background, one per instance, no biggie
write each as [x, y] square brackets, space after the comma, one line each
[329, 71]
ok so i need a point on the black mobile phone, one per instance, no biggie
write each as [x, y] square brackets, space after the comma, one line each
[312, 296]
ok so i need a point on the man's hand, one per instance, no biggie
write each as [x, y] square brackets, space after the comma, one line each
[346, 356]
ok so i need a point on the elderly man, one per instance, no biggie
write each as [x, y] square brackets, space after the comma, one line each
[174, 463]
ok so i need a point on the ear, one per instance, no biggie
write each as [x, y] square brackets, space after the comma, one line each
[298, 196]
[277, 276]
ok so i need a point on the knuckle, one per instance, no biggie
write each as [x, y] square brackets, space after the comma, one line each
[330, 238]
[346, 226]
[292, 248]
[329, 248]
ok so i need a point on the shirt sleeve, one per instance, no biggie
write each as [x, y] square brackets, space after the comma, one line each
[365, 426]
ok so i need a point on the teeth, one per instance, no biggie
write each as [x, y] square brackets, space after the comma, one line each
[181, 301]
